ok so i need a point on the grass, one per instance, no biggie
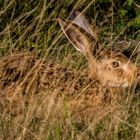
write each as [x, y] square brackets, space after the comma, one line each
[30, 26]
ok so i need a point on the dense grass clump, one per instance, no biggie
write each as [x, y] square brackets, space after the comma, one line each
[30, 26]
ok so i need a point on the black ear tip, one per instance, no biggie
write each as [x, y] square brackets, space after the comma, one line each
[127, 52]
[74, 14]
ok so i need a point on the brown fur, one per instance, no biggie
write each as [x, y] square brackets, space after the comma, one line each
[25, 78]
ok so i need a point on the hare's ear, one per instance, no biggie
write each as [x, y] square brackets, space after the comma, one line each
[79, 19]
[82, 40]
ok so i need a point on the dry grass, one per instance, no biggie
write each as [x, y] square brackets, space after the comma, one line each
[42, 99]
[46, 89]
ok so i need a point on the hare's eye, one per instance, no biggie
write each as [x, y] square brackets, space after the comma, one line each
[115, 64]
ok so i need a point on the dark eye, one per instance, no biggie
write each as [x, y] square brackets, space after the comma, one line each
[115, 64]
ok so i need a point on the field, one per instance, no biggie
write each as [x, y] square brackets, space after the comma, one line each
[30, 27]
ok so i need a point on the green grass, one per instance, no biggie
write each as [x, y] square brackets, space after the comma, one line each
[30, 26]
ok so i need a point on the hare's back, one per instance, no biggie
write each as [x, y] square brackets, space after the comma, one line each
[24, 77]
[26, 73]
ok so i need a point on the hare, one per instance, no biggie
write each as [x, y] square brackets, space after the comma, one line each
[110, 73]
[112, 69]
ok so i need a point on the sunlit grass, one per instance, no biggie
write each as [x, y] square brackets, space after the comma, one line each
[32, 27]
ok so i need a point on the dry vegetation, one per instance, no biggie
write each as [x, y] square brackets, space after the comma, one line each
[48, 75]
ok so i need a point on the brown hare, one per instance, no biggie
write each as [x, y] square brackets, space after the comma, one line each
[110, 73]
[111, 68]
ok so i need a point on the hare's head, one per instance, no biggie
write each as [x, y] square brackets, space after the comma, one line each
[111, 68]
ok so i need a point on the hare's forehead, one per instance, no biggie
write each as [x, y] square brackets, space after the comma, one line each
[112, 55]
[118, 56]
